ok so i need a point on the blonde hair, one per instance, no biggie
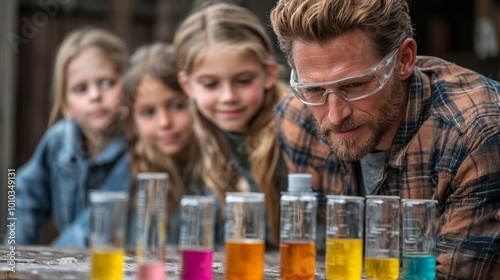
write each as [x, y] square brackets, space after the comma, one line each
[157, 61]
[386, 22]
[231, 26]
[75, 43]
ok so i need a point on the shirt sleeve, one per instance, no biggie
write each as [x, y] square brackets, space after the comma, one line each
[468, 240]
[299, 143]
[33, 198]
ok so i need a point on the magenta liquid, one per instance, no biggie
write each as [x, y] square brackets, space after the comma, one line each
[197, 264]
[151, 271]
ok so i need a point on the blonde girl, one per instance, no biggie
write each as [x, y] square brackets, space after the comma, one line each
[160, 129]
[226, 64]
[83, 150]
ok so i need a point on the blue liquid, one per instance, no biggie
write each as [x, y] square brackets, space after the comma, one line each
[419, 267]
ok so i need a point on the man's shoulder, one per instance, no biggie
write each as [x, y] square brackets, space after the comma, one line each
[430, 62]
[459, 95]
[289, 102]
[442, 72]
[291, 108]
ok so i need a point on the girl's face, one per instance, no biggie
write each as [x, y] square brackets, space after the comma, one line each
[228, 87]
[93, 92]
[161, 117]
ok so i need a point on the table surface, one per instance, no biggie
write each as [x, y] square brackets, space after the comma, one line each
[42, 262]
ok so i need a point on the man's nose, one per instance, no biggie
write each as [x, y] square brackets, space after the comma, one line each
[338, 108]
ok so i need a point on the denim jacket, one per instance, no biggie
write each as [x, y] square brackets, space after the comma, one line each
[56, 180]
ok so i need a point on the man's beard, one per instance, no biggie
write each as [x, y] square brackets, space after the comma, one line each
[353, 149]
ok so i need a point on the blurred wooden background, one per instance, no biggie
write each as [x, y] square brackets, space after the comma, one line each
[31, 30]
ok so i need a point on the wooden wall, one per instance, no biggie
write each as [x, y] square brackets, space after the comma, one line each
[138, 22]
[8, 62]
[44, 28]
[143, 21]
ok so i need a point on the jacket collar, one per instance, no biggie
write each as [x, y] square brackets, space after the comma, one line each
[73, 146]
[419, 100]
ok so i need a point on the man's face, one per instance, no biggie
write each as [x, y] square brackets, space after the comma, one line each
[353, 128]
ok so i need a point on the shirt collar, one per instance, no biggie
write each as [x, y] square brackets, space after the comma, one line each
[417, 110]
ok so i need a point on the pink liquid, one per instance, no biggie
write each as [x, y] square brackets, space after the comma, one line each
[151, 271]
[197, 264]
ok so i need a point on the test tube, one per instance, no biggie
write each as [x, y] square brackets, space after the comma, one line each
[107, 233]
[151, 225]
[382, 237]
[298, 235]
[344, 232]
[244, 236]
[419, 239]
[197, 236]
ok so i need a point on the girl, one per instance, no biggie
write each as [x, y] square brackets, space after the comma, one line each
[226, 67]
[161, 136]
[84, 150]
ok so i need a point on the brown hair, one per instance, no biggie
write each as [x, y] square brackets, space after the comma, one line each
[386, 22]
[157, 61]
[231, 26]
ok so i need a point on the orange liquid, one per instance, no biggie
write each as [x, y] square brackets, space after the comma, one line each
[245, 259]
[107, 264]
[298, 260]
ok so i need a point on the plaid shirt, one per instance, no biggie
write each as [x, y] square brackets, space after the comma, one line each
[447, 148]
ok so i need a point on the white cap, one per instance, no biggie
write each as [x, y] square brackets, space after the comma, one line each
[299, 182]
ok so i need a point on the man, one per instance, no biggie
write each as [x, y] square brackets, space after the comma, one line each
[392, 123]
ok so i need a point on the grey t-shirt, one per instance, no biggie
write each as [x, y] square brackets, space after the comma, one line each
[371, 165]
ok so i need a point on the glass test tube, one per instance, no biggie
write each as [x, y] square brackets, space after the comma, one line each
[298, 235]
[151, 225]
[244, 236]
[197, 214]
[344, 232]
[107, 233]
[419, 239]
[382, 237]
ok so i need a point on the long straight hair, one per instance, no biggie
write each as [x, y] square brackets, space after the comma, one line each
[230, 26]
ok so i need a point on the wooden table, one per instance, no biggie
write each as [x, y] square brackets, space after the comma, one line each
[41, 262]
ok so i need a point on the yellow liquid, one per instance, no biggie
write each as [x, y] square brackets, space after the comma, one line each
[382, 268]
[344, 258]
[107, 264]
[298, 260]
[245, 259]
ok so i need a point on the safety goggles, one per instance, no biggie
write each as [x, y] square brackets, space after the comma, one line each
[350, 88]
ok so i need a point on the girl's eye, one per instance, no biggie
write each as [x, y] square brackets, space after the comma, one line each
[147, 112]
[80, 89]
[179, 105]
[107, 83]
[245, 81]
[209, 85]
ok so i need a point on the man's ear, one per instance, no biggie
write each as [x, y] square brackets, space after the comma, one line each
[407, 58]
[184, 83]
[272, 71]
